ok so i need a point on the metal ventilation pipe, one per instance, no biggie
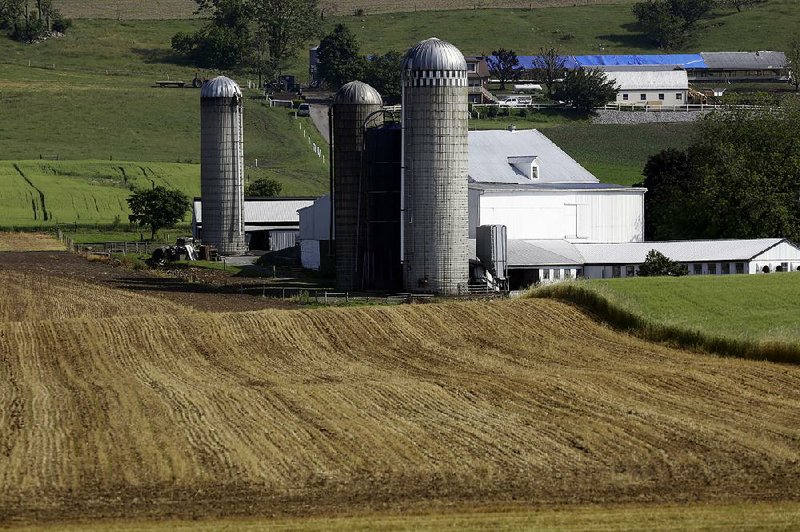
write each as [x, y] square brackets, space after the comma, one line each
[434, 174]
[352, 105]
[222, 165]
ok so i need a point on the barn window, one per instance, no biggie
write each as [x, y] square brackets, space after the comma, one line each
[698, 269]
[726, 268]
[643, 97]
[616, 271]
[679, 96]
[740, 267]
[712, 268]
[630, 271]
[625, 97]
[661, 96]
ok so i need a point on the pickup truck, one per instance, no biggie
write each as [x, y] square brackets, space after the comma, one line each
[516, 101]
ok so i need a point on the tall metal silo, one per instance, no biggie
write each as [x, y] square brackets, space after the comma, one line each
[222, 165]
[353, 104]
[434, 210]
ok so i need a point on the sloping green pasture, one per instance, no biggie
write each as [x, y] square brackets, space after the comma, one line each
[47, 193]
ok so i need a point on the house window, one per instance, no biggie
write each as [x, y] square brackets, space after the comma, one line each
[698, 269]
[712, 268]
[630, 271]
[661, 96]
[557, 273]
[643, 97]
[472, 67]
[579, 273]
[616, 271]
[545, 274]
[679, 96]
[726, 268]
[740, 267]
[625, 97]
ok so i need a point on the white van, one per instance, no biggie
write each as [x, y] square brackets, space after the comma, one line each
[516, 101]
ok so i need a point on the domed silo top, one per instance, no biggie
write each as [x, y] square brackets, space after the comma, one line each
[220, 87]
[434, 54]
[357, 93]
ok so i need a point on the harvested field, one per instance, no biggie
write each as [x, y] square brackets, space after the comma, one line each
[182, 9]
[34, 297]
[340, 410]
[29, 242]
[100, 277]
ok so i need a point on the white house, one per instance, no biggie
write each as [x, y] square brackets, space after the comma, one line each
[649, 85]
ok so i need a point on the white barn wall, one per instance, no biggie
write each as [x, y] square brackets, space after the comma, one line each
[651, 97]
[602, 217]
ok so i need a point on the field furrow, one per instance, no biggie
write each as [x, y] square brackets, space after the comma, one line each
[305, 411]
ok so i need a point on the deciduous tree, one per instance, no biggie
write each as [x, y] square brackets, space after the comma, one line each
[670, 22]
[264, 187]
[585, 89]
[383, 73]
[339, 59]
[158, 208]
[504, 65]
[548, 67]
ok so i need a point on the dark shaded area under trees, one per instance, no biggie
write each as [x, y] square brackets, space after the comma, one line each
[31, 20]
[740, 179]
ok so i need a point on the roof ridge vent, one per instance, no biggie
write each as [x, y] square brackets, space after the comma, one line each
[527, 165]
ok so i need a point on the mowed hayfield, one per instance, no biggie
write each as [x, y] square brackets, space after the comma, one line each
[331, 411]
[29, 242]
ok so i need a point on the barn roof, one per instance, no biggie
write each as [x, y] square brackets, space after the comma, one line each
[489, 152]
[645, 78]
[680, 251]
[764, 60]
[265, 210]
[543, 253]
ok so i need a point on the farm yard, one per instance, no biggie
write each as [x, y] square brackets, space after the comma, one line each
[158, 412]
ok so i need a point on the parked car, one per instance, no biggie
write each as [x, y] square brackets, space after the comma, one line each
[516, 101]
[304, 109]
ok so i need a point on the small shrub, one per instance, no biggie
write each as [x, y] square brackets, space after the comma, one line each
[132, 262]
[358, 12]
[491, 112]
[523, 113]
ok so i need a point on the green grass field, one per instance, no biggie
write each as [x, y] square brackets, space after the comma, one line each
[743, 307]
[577, 30]
[618, 153]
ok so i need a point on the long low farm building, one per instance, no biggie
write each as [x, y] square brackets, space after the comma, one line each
[535, 261]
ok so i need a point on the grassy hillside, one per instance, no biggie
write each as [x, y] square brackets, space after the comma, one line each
[579, 29]
[341, 410]
[618, 153]
[750, 316]
[750, 307]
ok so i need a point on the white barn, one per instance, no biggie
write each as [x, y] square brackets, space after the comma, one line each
[522, 180]
[651, 85]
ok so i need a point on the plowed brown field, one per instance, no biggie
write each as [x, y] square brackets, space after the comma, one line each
[337, 410]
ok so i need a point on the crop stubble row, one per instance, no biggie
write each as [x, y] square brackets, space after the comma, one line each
[308, 411]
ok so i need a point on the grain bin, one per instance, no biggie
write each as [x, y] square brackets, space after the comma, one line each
[222, 165]
[434, 209]
[352, 105]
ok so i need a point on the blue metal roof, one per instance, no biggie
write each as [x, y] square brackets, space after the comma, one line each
[688, 61]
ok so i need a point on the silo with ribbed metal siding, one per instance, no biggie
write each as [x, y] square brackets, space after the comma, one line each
[222, 165]
[434, 173]
[353, 104]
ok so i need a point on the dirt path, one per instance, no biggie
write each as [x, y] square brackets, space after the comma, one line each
[195, 295]
[319, 115]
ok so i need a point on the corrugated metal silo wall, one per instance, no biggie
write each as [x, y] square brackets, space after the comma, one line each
[348, 137]
[222, 174]
[435, 181]
[381, 263]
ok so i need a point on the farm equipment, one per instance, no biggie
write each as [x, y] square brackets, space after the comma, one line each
[184, 247]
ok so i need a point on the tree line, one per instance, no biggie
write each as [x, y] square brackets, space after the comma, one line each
[740, 178]
[31, 20]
